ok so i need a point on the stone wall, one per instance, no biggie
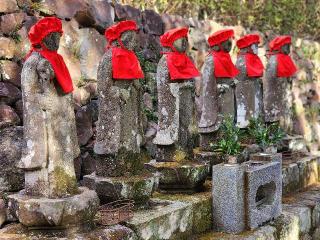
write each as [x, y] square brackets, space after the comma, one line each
[82, 46]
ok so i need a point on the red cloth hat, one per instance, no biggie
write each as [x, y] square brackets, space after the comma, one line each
[44, 27]
[172, 35]
[220, 36]
[248, 40]
[114, 32]
[278, 42]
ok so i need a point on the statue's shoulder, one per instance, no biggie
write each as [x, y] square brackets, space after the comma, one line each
[209, 58]
[32, 61]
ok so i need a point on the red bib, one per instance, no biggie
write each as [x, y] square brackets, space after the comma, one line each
[125, 64]
[223, 65]
[180, 66]
[59, 67]
[254, 65]
[285, 66]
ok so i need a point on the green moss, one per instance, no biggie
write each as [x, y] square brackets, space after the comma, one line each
[65, 184]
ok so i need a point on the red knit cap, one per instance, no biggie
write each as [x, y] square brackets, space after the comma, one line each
[278, 42]
[114, 32]
[44, 27]
[220, 36]
[248, 40]
[172, 35]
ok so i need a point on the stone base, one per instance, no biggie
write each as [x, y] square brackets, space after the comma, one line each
[138, 188]
[55, 213]
[176, 177]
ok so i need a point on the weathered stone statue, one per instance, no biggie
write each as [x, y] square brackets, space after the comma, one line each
[51, 143]
[119, 129]
[175, 86]
[248, 92]
[277, 88]
[217, 87]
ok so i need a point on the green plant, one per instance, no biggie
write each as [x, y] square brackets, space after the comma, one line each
[151, 116]
[265, 135]
[229, 142]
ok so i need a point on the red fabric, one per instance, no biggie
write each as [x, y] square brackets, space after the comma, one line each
[125, 64]
[223, 65]
[278, 42]
[36, 34]
[180, 66]
[220, 36]
[254, 65]
[248, 40]
[44, 27]
[285, 66]
[172, 35]
[114, 32]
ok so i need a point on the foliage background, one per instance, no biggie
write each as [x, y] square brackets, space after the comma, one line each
[296, 17]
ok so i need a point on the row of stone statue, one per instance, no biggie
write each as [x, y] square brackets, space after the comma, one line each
[49, 122]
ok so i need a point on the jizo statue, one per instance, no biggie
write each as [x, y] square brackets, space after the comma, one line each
[278, 83]
[248, 92]
[175, 87]
[119, 128]
[49, 121]
[218, 85]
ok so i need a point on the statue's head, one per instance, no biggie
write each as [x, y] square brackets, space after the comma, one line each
[249, 43]
[175, 39]
[281, 44]
[123, 34]
[221, 40]
[46, 33]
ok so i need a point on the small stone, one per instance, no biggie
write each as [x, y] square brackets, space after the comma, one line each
[11, 23]
[10, 71]
[8, 6]
[9, 94]
[7, 48]
[81, 96]
[94, 108]
[8, 116]
[152, 22]
[91, 87]
[84, 125]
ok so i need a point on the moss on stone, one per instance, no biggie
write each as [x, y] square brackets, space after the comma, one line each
[65, 184]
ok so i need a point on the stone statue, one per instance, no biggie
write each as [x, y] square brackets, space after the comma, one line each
[175, 86]
[120, 129]
[51, 143]
[175, 74]
[277, 88]
[248, 92]
[217, 87]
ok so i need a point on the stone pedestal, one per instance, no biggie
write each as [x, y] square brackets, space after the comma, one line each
[180, 177]
[41, 212]
[138, 187]
[246, 195]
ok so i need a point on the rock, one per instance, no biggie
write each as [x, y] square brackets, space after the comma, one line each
[126, 12]
[77, 167]
[304, 214]
[8, 117]
[84, 125]
[3, 212]
[19, 108]
[94, 108]
[10, 23]
[316, 234]
[103, 13]
[7, 48]
[91, 88]
[8, 6]
[152, 22]
[9, 94]
[92, 46]
[287, 226]
[10, 72]
[61, 8]
[171, 22]
[11, 178]
[147, 100]
[81, 96]
[88, 164]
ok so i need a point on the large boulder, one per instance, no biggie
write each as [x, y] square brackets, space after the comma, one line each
[11, 142]
[10, 72]
[126, 12]
[8, 116]
[84, 125]
[9, 93]
[8, 6]
[152, 22]
[7, 47]
[10, 23]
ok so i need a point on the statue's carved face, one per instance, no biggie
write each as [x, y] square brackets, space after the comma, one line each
[52, 41]
[255, 47]
[181, 45]
[129, 39]
[286, 49]
[226, 45]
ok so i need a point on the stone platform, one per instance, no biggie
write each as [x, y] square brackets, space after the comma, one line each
[138, 187]
[61, 213]
[180, 177]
